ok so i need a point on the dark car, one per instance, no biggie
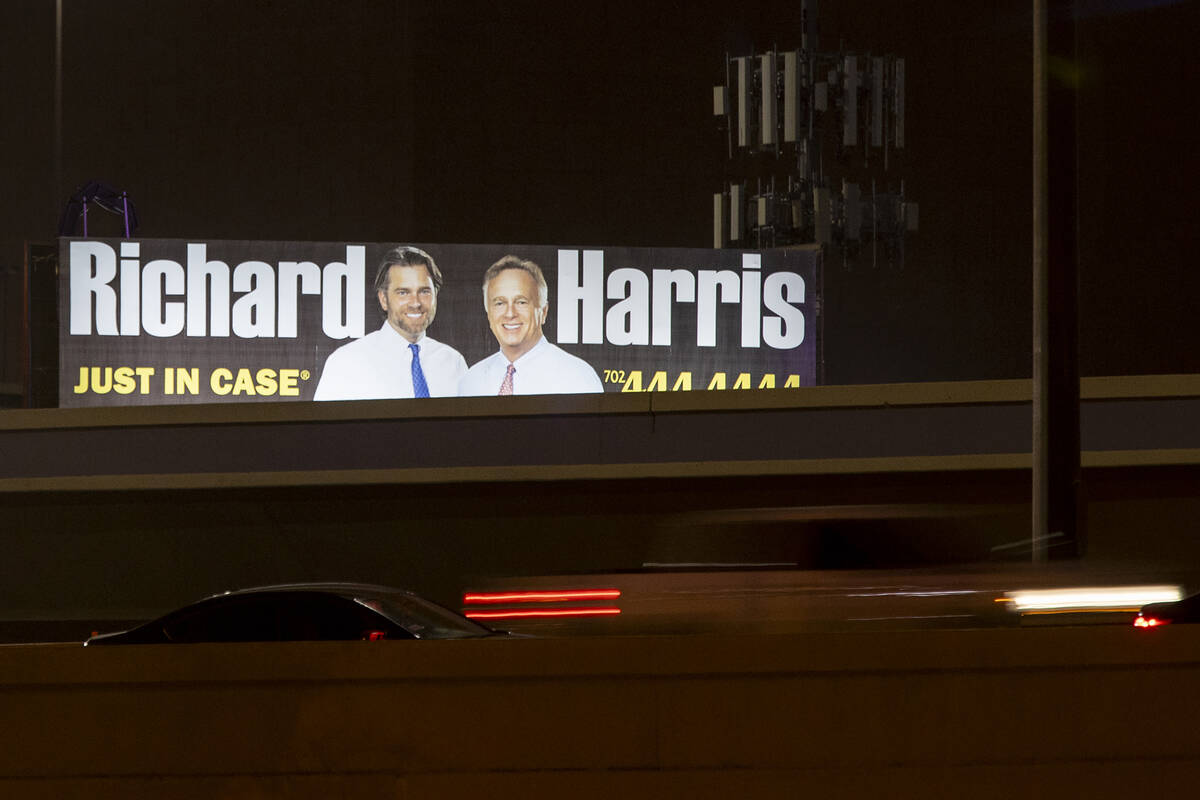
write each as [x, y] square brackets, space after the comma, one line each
[1158, 614]
[303, 612]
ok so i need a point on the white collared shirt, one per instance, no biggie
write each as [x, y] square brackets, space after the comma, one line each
[544, 369]
[379, 366]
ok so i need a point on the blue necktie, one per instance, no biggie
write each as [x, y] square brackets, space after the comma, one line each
[420, 387]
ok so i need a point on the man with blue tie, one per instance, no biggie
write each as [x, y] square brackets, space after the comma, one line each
[398, 360]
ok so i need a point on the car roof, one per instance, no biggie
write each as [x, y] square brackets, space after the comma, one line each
[324, 587]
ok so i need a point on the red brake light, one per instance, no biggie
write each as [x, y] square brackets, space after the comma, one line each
[1148, 622]
[374, 636]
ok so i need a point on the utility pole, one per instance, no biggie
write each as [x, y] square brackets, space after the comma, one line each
[56, 196]
[1056, 518]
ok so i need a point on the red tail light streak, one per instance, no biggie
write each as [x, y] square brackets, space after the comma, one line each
[541, 597]
[531, 604]
[510, 613]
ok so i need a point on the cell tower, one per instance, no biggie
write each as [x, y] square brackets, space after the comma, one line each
[814, 142]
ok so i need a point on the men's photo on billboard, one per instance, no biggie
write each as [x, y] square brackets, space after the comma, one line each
[398, 360]
[516, 300]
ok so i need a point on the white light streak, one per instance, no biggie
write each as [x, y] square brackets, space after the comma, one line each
[1092, 598]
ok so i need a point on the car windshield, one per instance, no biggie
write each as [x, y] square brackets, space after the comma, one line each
[423, 619]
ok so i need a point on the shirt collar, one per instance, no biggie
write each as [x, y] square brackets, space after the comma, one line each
[529, 355]
[387, 326]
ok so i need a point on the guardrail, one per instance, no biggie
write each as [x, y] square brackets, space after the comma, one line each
[1071, 712]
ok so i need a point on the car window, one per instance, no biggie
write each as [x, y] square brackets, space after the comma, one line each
[424, 619]
[279, 617]
[326, 617]
[226, 619]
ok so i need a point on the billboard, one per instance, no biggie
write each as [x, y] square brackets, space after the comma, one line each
[173, 321]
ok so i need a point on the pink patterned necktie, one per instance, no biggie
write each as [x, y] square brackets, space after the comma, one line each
[506, 387]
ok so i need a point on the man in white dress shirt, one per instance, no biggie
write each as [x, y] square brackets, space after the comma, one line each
[398, 360]
[515, 298]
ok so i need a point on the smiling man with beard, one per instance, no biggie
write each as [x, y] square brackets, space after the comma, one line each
[398, 360]
[516, 302]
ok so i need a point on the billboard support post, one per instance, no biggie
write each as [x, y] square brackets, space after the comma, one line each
[1056, 517]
